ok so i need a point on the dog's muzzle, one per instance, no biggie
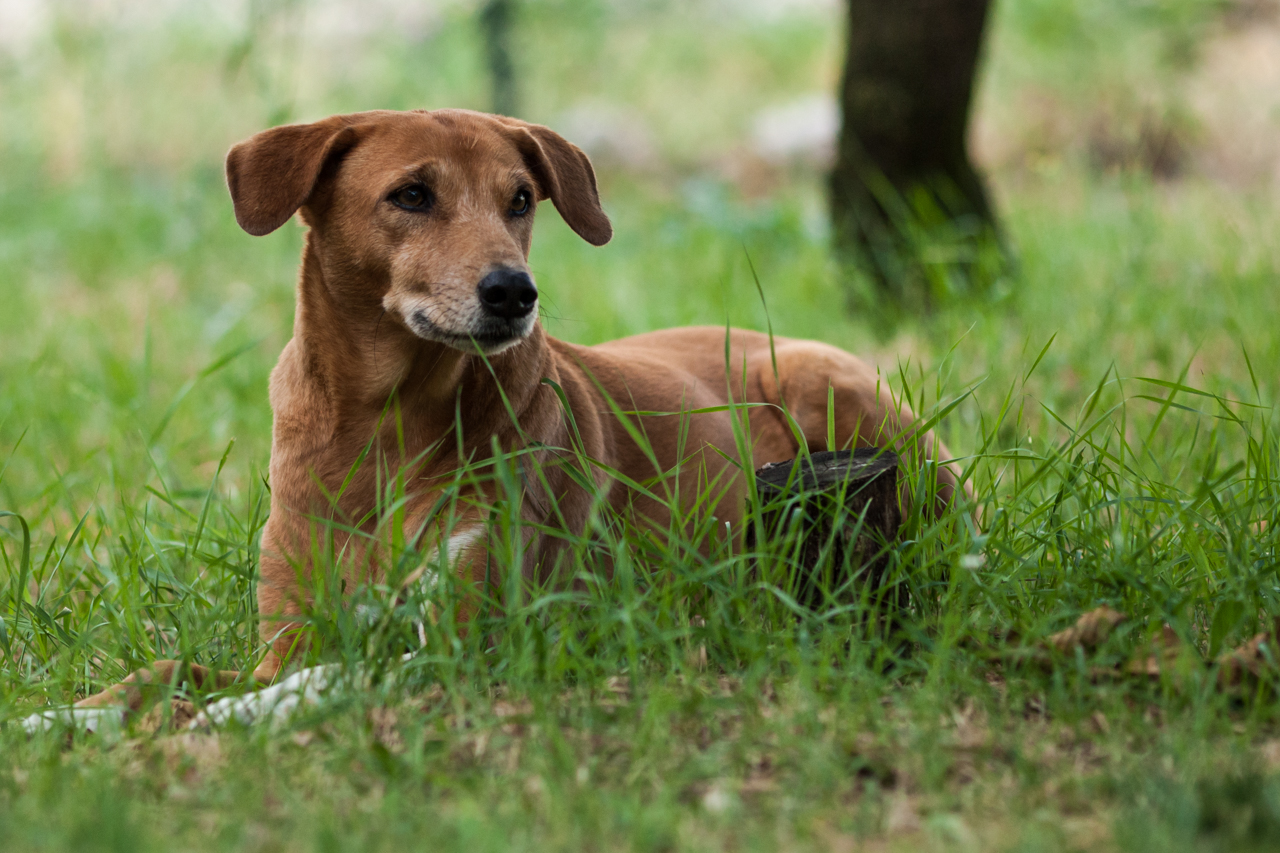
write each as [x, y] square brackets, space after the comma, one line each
[508, 299]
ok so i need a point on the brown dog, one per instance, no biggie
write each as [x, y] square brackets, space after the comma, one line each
[415, 283]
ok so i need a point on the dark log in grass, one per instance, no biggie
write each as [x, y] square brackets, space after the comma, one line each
[830, 517]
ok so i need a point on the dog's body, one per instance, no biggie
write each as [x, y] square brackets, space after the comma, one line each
[414, 286]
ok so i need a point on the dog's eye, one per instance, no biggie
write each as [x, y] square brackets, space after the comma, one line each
[520, 203]
[412, 197]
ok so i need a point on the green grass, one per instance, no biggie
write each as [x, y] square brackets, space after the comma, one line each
[1116, 411]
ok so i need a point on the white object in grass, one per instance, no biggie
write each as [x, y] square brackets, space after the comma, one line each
[277, 702]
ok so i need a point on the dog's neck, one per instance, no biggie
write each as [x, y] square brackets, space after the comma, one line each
[360, 356]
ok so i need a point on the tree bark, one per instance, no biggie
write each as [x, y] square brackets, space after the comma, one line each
[902, 163]
[496, 20]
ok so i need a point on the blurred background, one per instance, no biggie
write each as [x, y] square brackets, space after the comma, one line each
[1130, 150]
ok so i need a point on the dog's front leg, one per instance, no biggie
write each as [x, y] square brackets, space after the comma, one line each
[463, 551]
[110, 709]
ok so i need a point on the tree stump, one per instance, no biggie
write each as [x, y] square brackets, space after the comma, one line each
[830, 516]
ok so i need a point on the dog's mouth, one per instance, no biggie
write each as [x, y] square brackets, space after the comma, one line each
[491, 335]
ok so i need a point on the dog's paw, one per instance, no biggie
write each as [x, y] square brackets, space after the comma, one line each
[87, 720]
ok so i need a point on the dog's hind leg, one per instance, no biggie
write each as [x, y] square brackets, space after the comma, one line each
[864, 411]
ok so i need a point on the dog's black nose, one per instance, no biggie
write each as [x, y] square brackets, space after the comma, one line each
[508, 293]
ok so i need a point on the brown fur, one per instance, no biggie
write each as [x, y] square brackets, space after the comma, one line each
[371, 272]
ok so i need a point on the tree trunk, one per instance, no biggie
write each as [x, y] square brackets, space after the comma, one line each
[496, 19]
[902, 180]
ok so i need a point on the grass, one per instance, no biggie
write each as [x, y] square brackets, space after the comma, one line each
[1115, 408]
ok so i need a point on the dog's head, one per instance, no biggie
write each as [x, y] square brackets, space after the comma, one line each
[427, 214]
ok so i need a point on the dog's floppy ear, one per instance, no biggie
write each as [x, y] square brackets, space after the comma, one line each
[271, 174]
[566, 177]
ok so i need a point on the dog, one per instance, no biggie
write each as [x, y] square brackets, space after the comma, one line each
[415, 285]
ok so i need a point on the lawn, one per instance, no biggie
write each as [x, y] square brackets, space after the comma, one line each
[1112, 398]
